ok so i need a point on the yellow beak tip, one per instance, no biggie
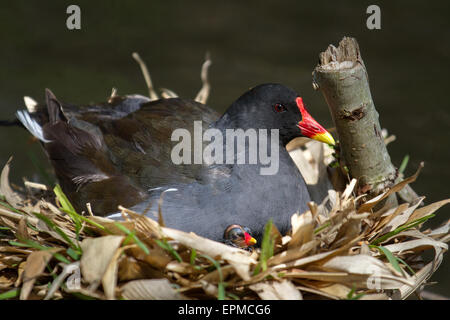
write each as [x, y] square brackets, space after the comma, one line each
[325, 137]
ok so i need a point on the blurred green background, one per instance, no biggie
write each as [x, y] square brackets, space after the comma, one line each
[250, 42]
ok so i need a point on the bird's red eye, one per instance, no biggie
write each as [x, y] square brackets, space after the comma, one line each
[278, 107]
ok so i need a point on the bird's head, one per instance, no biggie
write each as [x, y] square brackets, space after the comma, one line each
[238, 236]
[275, 106]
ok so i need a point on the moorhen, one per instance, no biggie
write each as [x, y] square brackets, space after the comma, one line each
[238, 236]
[121, 152]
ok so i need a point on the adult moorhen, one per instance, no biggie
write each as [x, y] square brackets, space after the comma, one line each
[121, 152]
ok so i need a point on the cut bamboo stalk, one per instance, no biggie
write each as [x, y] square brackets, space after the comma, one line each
[342, 78]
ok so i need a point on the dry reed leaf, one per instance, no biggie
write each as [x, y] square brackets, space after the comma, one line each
[133, 269]
[239, 259]
[43, 227]
[34, 267]
[441, 231]
[11, 249]
[97, 255]
[304, 261]
[157, 257]
[67, 270]
[325, 276]
[419, 279]
[203, 94]
[427, 210]
[12, 197]
[297, 143]
[416, 245]
[307, 287]
[368, 205]
[209, 288]
[402, 217]
[6, 282]
[386, 217]
[309, 172]
[302, 229]
[337, 290]
[377, 296]
[349, 229]
[215, 277]
[359, 281]
[109, 279]
[349, 189]
[182, 268]
[358, 264]
[293, 254]
[20, 274]
[274, 290]
[22, 229]
[154, 289]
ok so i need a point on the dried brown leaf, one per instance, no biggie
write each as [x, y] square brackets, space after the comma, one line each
[239, 259]
[109, 280]
[97, 255]
[402, 217]
[34, 267]
[293, 254]
[274, 290]
[22, 229]
[12, 197]
[368, 205]
[154, 289]
[416, 245]
[337, 290]
[427, 210]
[302, 229]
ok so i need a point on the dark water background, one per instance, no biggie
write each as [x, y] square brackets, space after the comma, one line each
[251, 42]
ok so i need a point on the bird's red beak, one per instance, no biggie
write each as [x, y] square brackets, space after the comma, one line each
[249, 240]
[311, 128]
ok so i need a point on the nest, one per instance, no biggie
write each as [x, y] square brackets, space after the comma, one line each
[347, 247]
[344, 248]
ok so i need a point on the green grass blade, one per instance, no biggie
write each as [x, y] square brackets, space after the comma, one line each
[61, 258]
[68, 208]
[63, 199]
[391, 258]
[75, 255]
[95, 224]
[404, 163]
[166, 246]
[7, 205]
[221, 285]
[136, 240]
[28, 244]
[324, 226]
[406, 265]
[350, 294]
[193, 256]
[220, 291]
[267, 245]
[233, 296]
[58, 230]
[357, 297]
[14, 293]
[410, 225]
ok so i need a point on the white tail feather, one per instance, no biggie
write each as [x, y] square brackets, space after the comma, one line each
[32, 126]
